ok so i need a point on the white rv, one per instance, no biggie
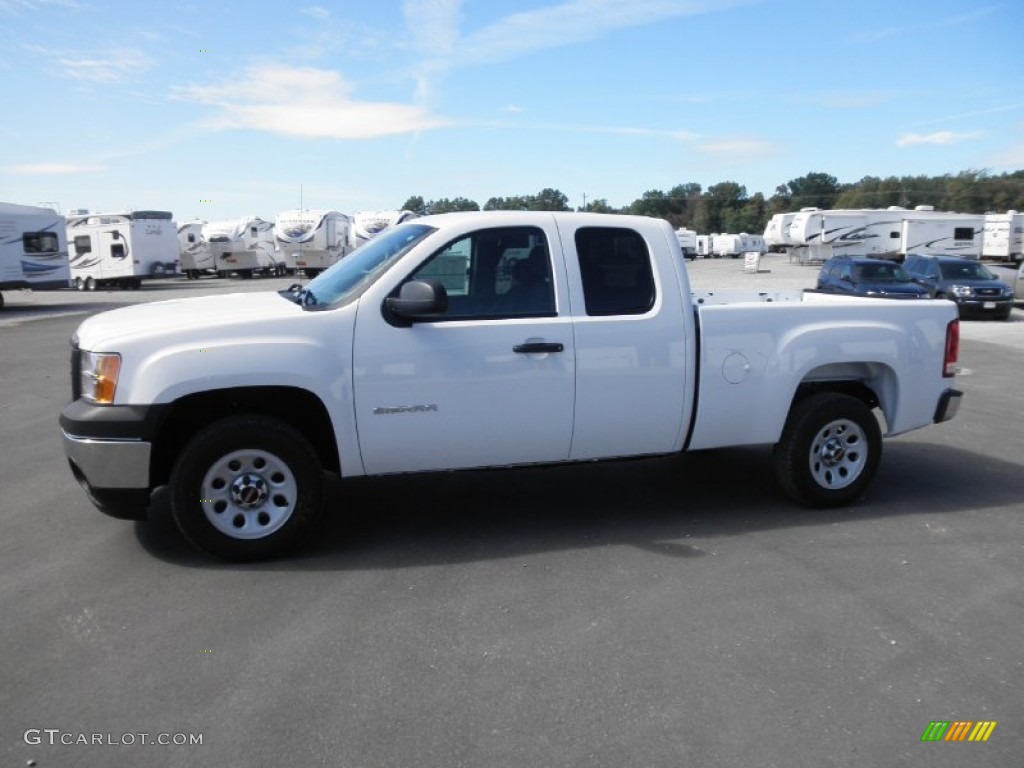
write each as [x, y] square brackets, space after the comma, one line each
[687, 242]
[776, 232]
[1003, 236]
[889, 233]
[368, 224]
[311, 240]
[195, 256]
[244, 246]
[734, 246]
[121, 248]
[704, 246]
[33, 248]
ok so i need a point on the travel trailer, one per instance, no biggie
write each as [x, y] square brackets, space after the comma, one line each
[687, 241]
[735, 246]
[244, 246]
[368, 224]
[704, 246]
[121, 248]
[195, 256]
[311, 240]
[889, 233]
[33, 248]
[1003, 236]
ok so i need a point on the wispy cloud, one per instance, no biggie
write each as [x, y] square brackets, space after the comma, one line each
[433, 25]
[572, 22]
[52, 169]
[939, 137]
[975, 113]
[317, 12]
[737, 148]
[304, 102]
[34, 6]
[881, 33]
[113, 65]
[853, 99]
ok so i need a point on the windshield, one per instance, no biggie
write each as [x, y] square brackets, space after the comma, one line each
[882, 273]
[361, 268]
[965, 270]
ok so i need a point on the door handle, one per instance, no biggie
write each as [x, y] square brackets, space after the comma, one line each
[537, 347]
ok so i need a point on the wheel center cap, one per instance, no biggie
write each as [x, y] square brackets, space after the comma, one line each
[833, 452]
[248, 490]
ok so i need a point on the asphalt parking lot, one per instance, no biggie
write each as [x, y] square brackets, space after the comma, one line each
[668, 612]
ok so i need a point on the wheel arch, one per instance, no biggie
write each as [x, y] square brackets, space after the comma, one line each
[297, 407]
[875, 384]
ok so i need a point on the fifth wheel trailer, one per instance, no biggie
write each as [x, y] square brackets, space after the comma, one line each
[33, 248]
[312, 240]
[889, 233]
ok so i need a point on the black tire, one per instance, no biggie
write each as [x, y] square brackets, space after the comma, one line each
[246, 488]
[829, 450]
[158, 270]
[90, 283]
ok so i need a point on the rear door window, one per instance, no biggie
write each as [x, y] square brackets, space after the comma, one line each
[615, 266]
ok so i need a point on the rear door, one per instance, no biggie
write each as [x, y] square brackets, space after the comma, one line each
[631, 340]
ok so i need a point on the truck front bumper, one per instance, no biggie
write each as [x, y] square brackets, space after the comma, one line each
[113, 473]
[108, 449]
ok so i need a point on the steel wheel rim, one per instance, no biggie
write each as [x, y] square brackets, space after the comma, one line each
[248, 494]
[839, 453]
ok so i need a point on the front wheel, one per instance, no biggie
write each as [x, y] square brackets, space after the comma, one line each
[829, 450]
[246, 488]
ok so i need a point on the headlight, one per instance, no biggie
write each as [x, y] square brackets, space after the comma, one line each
[961, 290]
[98, 376]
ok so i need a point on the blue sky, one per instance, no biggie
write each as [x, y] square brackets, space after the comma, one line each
[220, 109]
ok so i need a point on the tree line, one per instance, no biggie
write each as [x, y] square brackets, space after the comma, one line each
[726, 206]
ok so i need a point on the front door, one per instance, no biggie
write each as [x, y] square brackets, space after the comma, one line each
[491, 382]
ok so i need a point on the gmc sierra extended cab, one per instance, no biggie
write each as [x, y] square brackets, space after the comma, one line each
[486, 339]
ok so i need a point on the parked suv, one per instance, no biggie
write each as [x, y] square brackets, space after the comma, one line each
[968, 282]
[861, 276]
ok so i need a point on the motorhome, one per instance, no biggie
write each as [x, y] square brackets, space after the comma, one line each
[244, 245]
[736, 245]
[33, 248]
[368, 224]
[688, 242]
[889, 233]
[121, 248]
[195, 257]
[311, 240]
[1003, 236]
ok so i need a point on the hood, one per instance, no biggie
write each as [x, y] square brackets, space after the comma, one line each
[894, 289]
[182, 318]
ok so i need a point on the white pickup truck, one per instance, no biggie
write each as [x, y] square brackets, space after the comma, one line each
[484, 340]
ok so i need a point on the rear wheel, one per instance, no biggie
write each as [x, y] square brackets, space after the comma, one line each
[78, 284]
[246, 487]
[829, 450]
[90, 283]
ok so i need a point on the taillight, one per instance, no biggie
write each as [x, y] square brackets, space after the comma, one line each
[950, 366]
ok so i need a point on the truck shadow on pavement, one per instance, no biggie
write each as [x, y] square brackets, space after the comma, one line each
[665, 505]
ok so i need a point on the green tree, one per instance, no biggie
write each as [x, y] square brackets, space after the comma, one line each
[444, 205]
[819, 190]
[415, 204]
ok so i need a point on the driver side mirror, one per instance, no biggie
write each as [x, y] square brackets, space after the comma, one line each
[417, 301]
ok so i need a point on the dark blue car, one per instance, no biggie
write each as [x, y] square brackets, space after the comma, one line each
[968, 282]
[862, 276]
